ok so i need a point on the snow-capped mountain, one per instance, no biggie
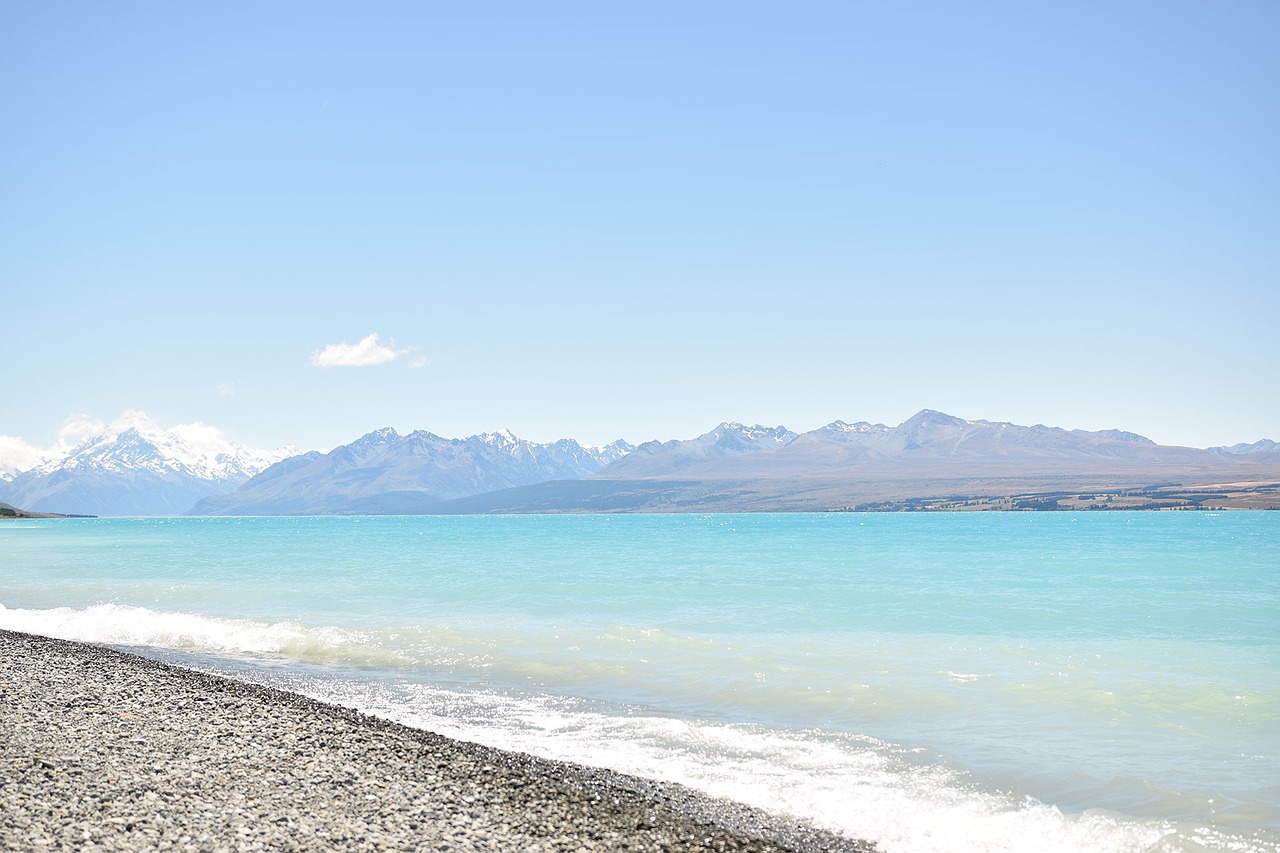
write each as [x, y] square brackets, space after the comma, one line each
[135, 467]
[385, 472]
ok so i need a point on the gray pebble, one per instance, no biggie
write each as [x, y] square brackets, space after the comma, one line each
[102, 750]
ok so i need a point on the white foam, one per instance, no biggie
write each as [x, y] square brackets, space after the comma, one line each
[850, 784]
[126, 625]
[856, 786]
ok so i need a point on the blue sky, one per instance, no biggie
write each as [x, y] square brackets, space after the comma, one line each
[597, 222]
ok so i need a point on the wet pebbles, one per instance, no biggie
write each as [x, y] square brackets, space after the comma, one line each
[109, 751]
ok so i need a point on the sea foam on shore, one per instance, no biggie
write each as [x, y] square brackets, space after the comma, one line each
[111, 751]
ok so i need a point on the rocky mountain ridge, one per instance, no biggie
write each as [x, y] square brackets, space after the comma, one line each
[732, 466]
[385, 472]
[927, 439]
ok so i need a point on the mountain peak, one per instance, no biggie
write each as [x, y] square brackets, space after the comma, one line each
[932, 417]
[1260, 447]
[861, 427]
[377, 438]
[756, 431]
[1122, 435]
[104, 473]
[502, 437]
[737, 438]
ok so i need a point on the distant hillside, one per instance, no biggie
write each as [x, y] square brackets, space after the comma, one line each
[731, 468]
[8, 511]
[384, 472]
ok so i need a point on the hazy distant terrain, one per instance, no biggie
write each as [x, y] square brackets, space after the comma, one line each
[8, 511]
[736, 468]
[930, 461]
[387, 473]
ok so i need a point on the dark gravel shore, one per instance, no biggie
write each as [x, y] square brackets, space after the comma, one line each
[105, 750]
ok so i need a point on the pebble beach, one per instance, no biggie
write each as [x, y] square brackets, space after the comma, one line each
[107, 750]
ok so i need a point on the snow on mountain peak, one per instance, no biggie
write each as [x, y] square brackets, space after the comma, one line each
[134, 441]
[779, 433]
[500, 437]
[861, 427]
[612, 451]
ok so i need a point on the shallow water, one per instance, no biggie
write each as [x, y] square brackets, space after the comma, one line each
[1105, 681]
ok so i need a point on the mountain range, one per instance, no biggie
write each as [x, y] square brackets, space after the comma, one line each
[385, 472]
[136, 468]
[731, 467]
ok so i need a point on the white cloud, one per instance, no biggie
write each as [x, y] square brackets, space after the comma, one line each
[420, 361]
[132, 419]
[18, 455]
[226, 389]
[368, 353]
[77, 428]
[208, 443]
[200, 435]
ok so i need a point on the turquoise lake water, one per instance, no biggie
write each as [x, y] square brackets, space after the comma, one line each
[934, 682]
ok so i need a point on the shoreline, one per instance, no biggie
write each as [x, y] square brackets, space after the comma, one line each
[107, 749]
